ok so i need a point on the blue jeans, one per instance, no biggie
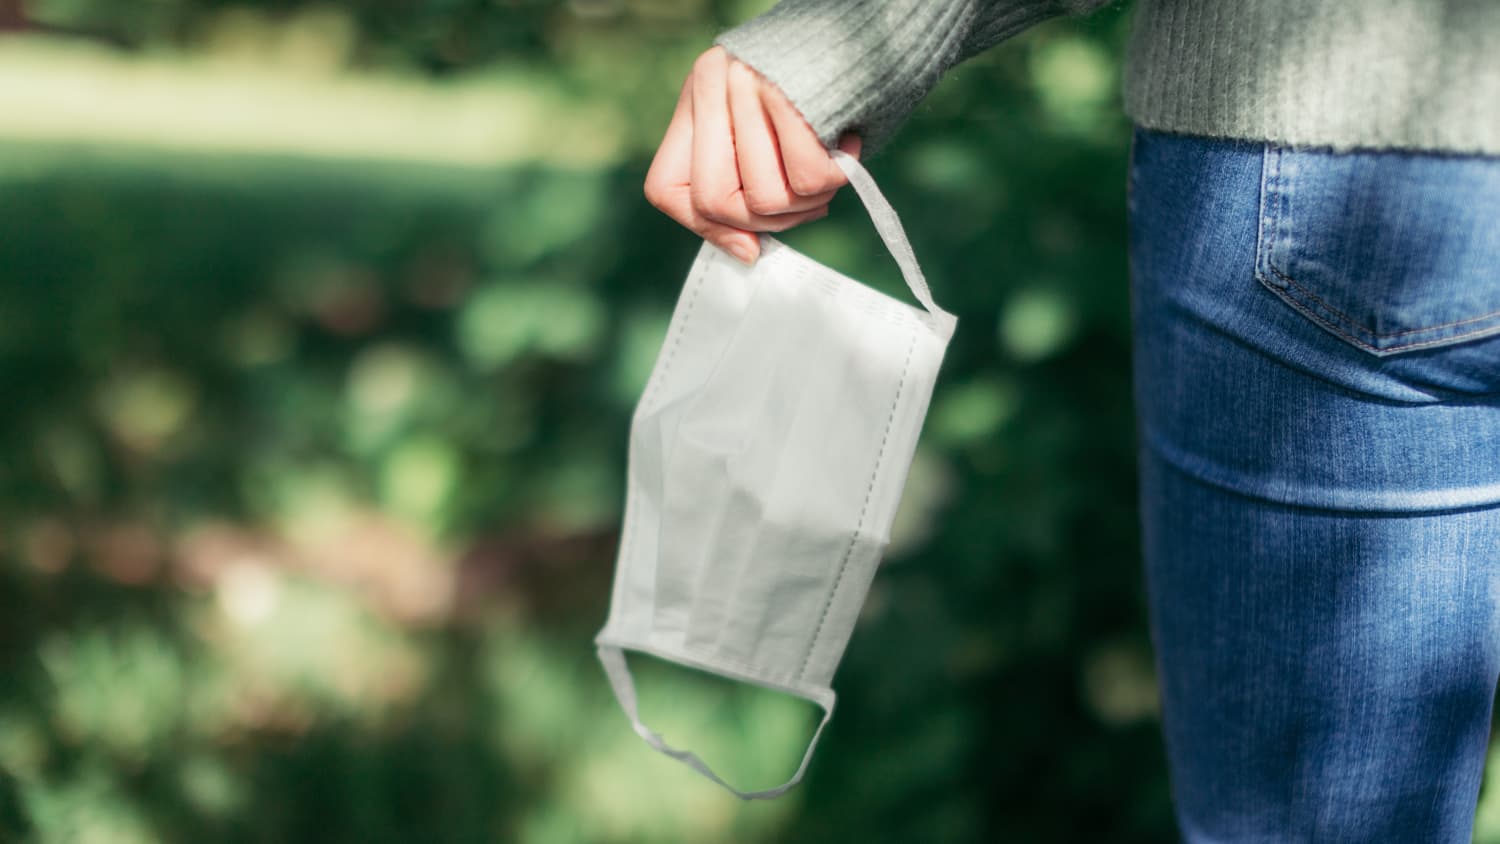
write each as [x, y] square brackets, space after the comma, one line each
[1317, 377]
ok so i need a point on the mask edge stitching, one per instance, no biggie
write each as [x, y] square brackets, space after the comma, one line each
[864, 509]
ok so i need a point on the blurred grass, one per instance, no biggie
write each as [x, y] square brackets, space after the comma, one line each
[320, 328]
[61, 93]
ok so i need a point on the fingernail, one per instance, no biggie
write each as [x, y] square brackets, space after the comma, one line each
[743, 252]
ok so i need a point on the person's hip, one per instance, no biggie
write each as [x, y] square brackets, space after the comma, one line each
[1319, 328]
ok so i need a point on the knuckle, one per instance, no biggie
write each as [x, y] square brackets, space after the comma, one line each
[708, 59]
[656, 196]
[715, 209]
[741, 73]
[759, 202]
[724, 212]
[805, 184]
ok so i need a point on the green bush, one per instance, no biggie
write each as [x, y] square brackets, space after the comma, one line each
[312, 457]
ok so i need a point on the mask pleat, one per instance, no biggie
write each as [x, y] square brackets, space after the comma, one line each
[797, 359]
[707, 318]
[800, 545]
[713, 432]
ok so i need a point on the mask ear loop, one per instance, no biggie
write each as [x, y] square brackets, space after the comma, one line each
[888, 224]
[624, 688]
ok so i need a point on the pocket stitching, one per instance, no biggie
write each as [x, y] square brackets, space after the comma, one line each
[1416, 344]
[1270, 196]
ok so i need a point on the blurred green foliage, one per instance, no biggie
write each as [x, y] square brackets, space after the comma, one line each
[312, 449]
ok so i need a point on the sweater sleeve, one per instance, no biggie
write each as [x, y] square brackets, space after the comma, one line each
[864, 65]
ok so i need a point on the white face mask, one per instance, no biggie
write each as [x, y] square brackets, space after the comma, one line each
[767, 456]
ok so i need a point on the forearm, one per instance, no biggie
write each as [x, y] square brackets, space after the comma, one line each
[863, 65]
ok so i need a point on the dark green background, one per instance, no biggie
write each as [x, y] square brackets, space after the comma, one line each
[311, 468]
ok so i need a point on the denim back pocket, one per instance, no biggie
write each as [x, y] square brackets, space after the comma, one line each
[1392, 252]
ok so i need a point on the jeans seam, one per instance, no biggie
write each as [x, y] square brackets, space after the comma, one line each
[1313, 306]
[1308, 310]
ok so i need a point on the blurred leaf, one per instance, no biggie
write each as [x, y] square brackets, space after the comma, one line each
[1036, 323]
[145, 408]
[418, 478]
[558, 210]
[1075, 79]
[973, 411]
[504, 321]
[88, 808]
[119, 691]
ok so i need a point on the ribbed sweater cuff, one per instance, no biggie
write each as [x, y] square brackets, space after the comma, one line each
[864, 65]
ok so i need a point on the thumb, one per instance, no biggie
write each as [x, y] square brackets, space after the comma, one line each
[851, 143]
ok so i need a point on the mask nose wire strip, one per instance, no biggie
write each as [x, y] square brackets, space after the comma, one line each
[888, 224]
[624, 688]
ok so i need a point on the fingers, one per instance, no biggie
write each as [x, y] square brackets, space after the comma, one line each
[810, 171]
[852, 143]
[669, 180]
[716, 183]
[715, 180]
[738, 158]
[758, 151]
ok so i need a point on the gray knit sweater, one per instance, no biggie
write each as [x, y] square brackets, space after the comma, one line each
[1345, 74]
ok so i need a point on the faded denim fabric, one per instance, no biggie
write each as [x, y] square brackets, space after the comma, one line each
[1317, 378]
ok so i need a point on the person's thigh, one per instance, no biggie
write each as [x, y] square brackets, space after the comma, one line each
[1317, 367]
[1325, 676]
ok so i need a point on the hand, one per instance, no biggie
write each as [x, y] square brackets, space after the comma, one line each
[738, 158]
